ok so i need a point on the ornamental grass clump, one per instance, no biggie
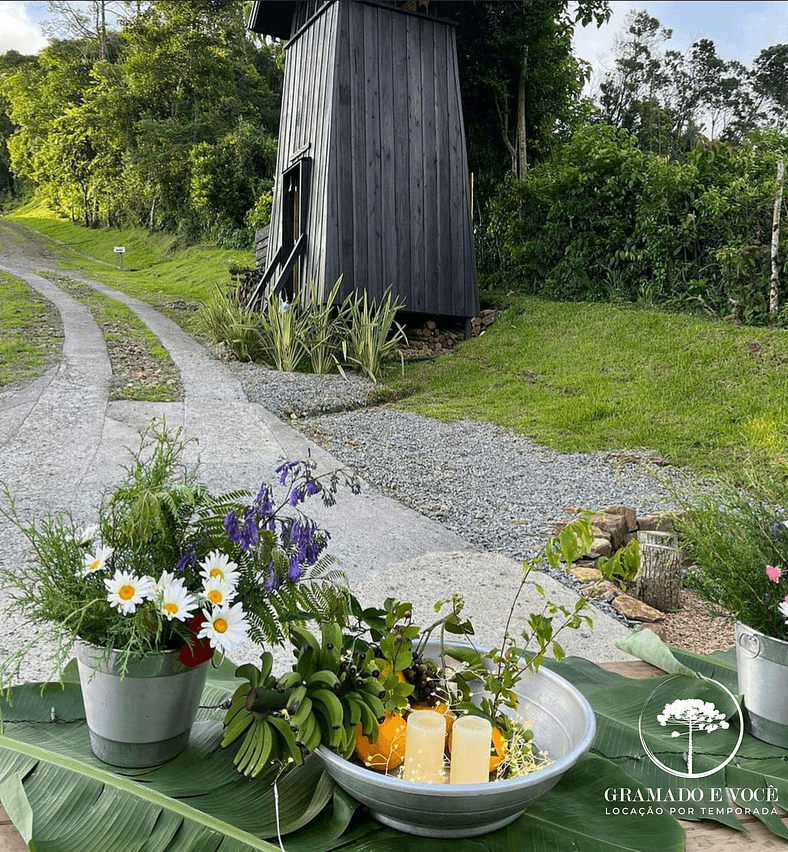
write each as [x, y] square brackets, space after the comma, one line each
[737, 541]
[166, 565]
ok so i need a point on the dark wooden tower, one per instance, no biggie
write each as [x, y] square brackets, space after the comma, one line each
[372, 176]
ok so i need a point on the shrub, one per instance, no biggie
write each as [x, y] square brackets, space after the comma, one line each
[223, 319]
[603, 219]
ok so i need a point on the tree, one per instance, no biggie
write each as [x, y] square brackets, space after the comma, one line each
[696, 716]
[89, 21]
[518, 77]
[671, 100]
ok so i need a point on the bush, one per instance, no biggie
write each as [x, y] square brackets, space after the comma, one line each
[731, 537]
[604, 220]
[309, 334]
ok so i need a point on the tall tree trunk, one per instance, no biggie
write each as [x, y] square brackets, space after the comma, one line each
[522, 155]
[774, 306]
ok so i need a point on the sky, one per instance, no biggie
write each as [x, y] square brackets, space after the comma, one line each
[739, 28]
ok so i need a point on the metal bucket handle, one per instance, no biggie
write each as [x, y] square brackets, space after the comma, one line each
[750, 644]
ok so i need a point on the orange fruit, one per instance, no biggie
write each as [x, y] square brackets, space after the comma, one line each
[442, 708]
[388, 751]
[497, 748]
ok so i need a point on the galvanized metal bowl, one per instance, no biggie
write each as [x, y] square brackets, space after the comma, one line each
[563, 724]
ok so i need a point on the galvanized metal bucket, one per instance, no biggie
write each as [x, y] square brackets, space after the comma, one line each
[564, 725]
[145, 717]
[762, 664]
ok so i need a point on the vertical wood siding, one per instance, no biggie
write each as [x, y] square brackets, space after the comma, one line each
[305, 130]
[374, 91]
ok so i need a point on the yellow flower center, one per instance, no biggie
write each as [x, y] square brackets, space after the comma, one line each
[95, 564]
[171, 608]
[215, 596]
[220, 625]
[126, 592]
[217, 572]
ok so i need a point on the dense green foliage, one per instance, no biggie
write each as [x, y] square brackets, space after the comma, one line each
[603, 219]
[520, 81]
[169, 123]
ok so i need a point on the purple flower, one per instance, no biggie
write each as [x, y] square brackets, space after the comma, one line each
[231, 526]
[188, 558]
[294, 570]
[248, 536]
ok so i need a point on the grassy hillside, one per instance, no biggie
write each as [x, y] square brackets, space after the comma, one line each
[156, 268]
[585, 377]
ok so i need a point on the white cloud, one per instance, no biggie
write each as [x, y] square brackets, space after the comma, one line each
[17, 31]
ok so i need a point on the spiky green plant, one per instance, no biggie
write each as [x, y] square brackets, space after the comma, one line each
[370, 339]
[326, 325]
[223, 319]
[283, 330]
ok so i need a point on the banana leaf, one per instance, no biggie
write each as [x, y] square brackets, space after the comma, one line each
[62, 798]
[618, 701]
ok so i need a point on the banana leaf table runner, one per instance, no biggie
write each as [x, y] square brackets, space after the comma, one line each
[62, 799]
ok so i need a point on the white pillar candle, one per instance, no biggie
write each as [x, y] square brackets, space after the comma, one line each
[424, 747]
[471, 737]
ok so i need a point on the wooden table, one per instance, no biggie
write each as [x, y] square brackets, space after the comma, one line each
[703, 835]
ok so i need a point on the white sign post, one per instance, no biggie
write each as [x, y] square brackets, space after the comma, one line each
[120, 251]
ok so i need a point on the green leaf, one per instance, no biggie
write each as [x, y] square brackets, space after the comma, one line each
[198, 801]
[647, 646]
[14, 800]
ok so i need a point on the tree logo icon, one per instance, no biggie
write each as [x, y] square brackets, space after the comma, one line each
[693, 736]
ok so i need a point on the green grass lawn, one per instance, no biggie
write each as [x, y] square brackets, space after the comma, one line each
[174, 279]
[31, 334]
[574, 377]
[586, 377]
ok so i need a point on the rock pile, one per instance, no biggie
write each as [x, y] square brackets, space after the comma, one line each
[613, 528]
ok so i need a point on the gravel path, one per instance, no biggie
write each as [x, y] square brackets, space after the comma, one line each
[499, 490]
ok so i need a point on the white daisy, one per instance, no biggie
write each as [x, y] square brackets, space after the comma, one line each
[126, 590]
[217, 565]
[167, 578]
[175, 600]
[225, 627]
[217, 592]
[92, 562]
[87, 534]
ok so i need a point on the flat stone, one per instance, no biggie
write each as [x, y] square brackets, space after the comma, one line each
[657, 521]
[586, 574]
[603, 591]
[629, 515]
[636, 610]
[600, 547]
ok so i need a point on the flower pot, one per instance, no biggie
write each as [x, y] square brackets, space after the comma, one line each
[762, 664]
[145, 717]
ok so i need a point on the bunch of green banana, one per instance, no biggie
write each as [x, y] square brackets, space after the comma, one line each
[328, 693]
[263, 736]
[334, 691]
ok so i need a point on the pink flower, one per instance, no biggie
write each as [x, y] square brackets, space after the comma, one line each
[773, 573]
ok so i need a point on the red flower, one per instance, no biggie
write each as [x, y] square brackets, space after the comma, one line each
[199, 650]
